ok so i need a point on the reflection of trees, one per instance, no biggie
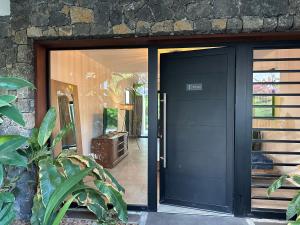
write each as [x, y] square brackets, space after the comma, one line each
[118, 82]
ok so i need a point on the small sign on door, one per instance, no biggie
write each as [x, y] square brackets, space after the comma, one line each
[194, 87]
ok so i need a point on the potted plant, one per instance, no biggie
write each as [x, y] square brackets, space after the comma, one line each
[68, 178]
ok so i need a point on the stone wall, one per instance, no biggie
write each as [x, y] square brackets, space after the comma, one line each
[58, 19]
[53, 19]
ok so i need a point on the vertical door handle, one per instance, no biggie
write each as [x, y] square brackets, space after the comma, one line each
[164, 135]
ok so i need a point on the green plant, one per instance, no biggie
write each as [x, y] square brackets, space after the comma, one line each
[293, 209]
[70, 177]
[9, 146]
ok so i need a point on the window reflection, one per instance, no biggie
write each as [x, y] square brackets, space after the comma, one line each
[276, 124]
[110, 111]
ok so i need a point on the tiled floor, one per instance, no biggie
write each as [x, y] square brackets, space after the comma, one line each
[131, 172]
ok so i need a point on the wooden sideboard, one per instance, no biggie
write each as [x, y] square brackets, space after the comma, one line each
[109, 150]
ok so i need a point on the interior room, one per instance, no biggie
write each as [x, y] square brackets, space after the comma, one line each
[104, 95]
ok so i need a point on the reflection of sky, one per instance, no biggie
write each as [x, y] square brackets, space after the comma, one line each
[267, 77]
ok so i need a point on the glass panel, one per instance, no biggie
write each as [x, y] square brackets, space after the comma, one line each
[278, 135]
[109, 106]
[278, 123]
[276, 112]
[267, 167]
[280, 193]
[276, 88]
[276, 53]
[276, 77]
[276, 65]
[269, 204]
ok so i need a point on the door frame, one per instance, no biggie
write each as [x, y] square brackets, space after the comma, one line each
[243, 44]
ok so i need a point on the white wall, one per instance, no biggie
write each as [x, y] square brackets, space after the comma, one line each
[4, 7]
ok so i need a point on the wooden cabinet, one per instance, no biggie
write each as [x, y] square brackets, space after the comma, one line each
[109, 150]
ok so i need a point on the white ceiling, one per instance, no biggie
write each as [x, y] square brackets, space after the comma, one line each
[121, 60]
[4, 7]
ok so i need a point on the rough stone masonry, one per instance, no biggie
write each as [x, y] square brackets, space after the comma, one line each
[72, 19]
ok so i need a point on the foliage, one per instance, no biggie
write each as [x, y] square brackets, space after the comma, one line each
[293, 209]
[7, 213]
[9, 146]
[69, 177]
[6, 101]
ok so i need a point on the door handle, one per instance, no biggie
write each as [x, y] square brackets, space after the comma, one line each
[164, 100]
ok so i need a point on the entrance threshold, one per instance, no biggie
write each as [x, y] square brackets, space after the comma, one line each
[163, 208]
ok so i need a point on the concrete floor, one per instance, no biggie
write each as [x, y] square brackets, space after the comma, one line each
[188, 219]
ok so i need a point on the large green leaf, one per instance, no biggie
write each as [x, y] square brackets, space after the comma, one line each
[277, 184]
[7, 213]
[69, 168]
[114, 181]
[5, 100]
[49, 178]
[115, 198]
[38, 210]
[13, 113]
[1, 175]
[47, 126]
[87, 162]
[12, 158]
[296, 178]
[8, 154]
[64, 189]
[62, 212]
[61, 134]
[93, 201]
[13, 83]
[293, 207]
[11, 141]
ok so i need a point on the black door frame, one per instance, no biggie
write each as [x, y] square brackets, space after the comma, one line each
[243, 107]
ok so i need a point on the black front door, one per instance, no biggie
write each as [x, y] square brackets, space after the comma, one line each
[198, 160]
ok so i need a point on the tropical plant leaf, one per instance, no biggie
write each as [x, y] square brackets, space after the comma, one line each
[115, 198]
[69, 168]
[49, 179]
[61, 135]
[65, 188]
[62, 212]
[47, 126]
[93, 201]
[293, 207]
[6, 197]
[1, 175]
[11, 141]
[38, 210]
[277, 184]
[5, 100]
[114, 181]
[296, 178]
[7, 213]
[13, 113]
[13, 158]
[8, 154]
[294, 223]
[14, 83]
[86, 161]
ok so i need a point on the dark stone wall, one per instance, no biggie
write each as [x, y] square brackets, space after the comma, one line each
[54, 19]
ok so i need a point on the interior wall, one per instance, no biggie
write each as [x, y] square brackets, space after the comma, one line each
[97, 89]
